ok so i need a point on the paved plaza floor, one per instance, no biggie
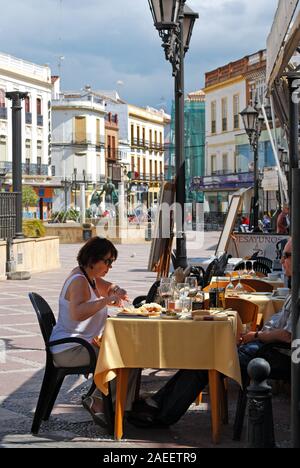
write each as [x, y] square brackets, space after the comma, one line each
[22, 362]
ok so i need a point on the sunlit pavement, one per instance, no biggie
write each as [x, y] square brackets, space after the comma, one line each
[21, 369]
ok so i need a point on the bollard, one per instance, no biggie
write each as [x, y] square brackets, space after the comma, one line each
[260, 415]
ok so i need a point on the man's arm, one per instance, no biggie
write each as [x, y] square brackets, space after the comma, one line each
[268, 336]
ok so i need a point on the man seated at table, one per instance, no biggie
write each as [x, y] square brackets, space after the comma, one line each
[171, 402]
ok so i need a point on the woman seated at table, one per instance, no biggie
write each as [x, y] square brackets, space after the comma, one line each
[83, 305]
[171, 402]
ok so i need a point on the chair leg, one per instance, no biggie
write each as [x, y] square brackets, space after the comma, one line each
[90, 392]
[199, 398]
[240, 414]
[138, 385]
[53, 392]
[43, 400]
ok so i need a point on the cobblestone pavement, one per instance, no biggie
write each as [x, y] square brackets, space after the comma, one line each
[21, 370]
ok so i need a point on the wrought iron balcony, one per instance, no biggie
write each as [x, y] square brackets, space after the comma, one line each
[3, 113]
[39, 120]
[28, 118]
[236, 180]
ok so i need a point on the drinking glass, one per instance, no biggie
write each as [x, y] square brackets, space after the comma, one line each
[166, 292]
[230, 286]
[239, 287]
[252, 272]
[182, 290]
[192, 284]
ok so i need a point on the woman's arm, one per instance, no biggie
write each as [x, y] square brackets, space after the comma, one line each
[79, 295]
[107, 289]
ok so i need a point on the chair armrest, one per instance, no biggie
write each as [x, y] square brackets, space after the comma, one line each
[274, 344]
[80, 341]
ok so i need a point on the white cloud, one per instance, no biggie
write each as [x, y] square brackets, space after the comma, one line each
[107, 41]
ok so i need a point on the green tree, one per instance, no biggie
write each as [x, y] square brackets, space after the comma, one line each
[29, 197]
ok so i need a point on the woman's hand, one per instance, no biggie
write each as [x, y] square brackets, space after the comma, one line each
[115, 300]
[121, 293]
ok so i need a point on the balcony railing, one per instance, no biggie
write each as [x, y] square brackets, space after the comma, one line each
[140, 143]
[7, 215]
[28, 118]
[34, 169]
[39, 120]
[3, 113]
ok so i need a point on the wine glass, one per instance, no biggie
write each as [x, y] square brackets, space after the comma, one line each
[239, 287]
[192, 284]
[252, 271]
[166, 291]
[230, 286]
[182, 290]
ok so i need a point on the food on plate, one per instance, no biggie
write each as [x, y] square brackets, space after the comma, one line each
[148, 310]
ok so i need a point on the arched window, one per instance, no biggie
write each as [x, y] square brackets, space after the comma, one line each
[39, 106]
[2, 98]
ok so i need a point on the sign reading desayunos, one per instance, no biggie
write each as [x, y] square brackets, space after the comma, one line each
[245, 245]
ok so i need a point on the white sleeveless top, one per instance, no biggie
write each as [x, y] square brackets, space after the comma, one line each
[66, 327]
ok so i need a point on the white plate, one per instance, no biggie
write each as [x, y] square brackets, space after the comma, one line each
[169, 317]
[257, 293]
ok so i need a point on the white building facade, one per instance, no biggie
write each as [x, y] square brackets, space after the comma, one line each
[20, 75]
[78, 140]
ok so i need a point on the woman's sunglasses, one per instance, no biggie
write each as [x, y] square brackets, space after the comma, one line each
[286, 255]
[108, 261]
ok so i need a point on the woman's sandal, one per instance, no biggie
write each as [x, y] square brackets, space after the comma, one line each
[98, 418]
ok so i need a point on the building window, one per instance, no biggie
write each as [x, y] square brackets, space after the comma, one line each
[236, 110]
[139, 166]
[27, 104]
[155, 169]
[39, 165]
[53, 171]
[3, 148]
[132, 135]
[39, 106]
[213, 117]
[144, 137]
[225, 162]
[161, 170]
[161, 141]
[2, 98]
[113, 147]
[132, 163]
[28, 149]
[80, 130]
[98, 140]
[150, 169]
[109, 147]
[224, 115]
[213, 164]
[150, 138]
[138, 135]
[144, 168]
[27, 166]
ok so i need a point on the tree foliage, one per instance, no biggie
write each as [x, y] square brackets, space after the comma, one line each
[29, 196]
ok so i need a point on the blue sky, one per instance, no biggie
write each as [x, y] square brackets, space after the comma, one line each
[112, 44]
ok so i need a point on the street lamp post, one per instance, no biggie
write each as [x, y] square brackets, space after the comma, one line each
[175, 21]
[253, 121]
[16, 97]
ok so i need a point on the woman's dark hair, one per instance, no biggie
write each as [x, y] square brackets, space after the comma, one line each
[95, 249]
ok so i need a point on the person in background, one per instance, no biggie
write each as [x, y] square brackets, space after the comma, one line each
[266, 221]
[171, 402]
[283, 221]
[83, 305]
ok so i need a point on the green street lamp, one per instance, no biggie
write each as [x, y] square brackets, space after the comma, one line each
[175, 22]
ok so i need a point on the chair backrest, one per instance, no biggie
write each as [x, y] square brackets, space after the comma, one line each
[247, 310]
[44, 314]
[210, 272]
[222, 262]
[280, 246]
[153, 292]
[261, 267]
[257, 285]
[265, 260]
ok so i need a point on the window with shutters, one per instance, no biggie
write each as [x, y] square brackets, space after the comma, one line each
[98, 140]
[224, 115]
[80, 130]
[236, 110]
[213, 110]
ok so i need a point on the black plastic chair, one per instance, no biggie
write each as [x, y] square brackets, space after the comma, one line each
[257, 266]
[280, 247]
[265, 260]
[210, 271]
[222, 263]
[54, 376]
[152, 296]
[282, 372]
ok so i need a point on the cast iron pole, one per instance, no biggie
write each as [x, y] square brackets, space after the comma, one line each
[256, 186]
[294, 189]
[16, 97]
[181, 257]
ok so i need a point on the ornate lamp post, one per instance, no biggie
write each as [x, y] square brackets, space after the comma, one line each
[174, 22]
[253, 121]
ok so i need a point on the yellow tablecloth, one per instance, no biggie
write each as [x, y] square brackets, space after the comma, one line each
[267, 304]
[167, 344]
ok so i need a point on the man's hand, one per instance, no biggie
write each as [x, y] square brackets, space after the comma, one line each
[247, 338]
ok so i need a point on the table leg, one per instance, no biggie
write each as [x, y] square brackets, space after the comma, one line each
[214, 392]
[122, 381]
